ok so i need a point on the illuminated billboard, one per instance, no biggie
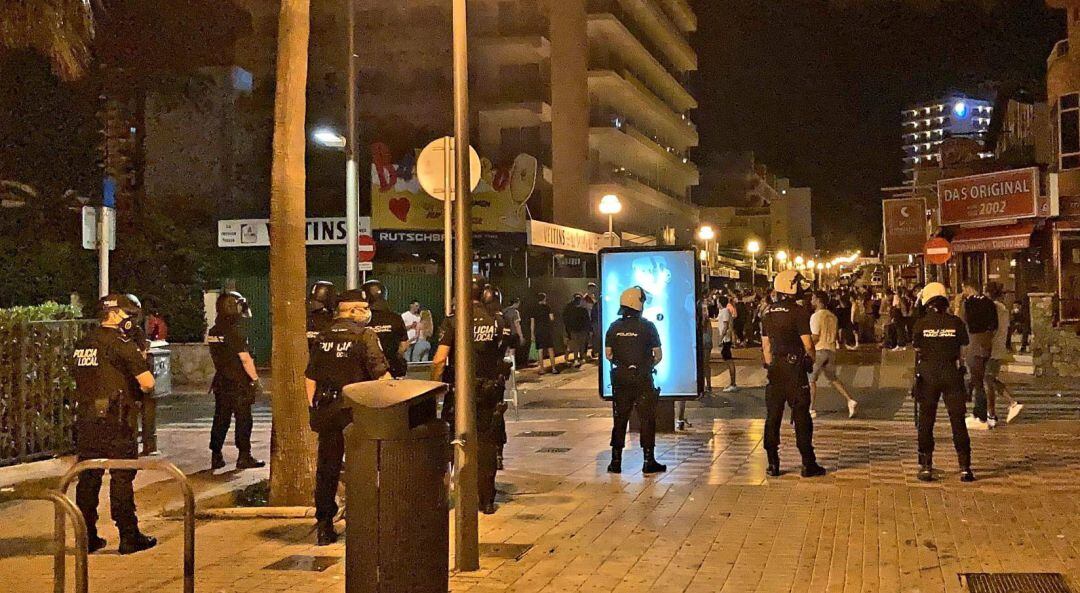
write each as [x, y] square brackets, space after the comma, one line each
[669, 276]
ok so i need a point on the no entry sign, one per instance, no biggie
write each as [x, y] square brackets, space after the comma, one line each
[365, 251]
[938, 251]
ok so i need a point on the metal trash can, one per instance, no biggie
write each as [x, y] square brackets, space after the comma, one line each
[397, 536]
[160, 359]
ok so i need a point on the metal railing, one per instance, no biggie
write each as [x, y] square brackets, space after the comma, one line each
[62, 505]
[143, 464]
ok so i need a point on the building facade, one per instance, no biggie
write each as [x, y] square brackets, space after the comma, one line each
[926, 125]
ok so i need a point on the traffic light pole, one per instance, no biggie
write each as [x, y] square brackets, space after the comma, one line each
[466, 523]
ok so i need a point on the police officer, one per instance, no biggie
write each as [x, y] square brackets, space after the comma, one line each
[347, 352]
[236, 381]
[939, 338]
[789, 354]
[321, 302]
[388, 325]
[632, 344]
[112, 377]
[492, 300]
[489, 351]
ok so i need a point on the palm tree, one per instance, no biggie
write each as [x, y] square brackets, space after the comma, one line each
[291, 462]
[60, 30]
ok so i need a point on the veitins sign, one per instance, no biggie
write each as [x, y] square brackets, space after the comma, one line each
[1004, 195]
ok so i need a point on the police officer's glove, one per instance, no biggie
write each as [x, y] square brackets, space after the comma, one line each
[808, 364]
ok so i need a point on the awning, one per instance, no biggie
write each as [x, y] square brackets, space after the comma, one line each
[994, 238]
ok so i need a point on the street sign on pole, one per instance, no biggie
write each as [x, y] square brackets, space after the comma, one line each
[938, 251]
[435, 168]
[90, 229]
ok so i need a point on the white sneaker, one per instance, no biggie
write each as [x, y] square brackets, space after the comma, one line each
[851, 405]
[1014, 411]
[731, 388]
[974, 423]
[991, 421]
[813, 413]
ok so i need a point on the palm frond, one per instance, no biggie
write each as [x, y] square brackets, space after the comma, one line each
[60, 30]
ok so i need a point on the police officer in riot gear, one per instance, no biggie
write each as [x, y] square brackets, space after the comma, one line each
[789, 358]
[632, 344]
[320, 304]
[112, 376]
[347, 352]
[939, 338]
[236, 381]
[388, 325]
[488, 347]
[492, 300]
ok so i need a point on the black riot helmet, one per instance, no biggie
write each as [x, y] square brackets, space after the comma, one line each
[128, 303]
[374, 291]
[322, 297]
[232, 305]
[484, 293]
[491, 297]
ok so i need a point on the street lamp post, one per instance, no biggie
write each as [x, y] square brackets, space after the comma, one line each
[706, 234]
[781, 258]
[753, 247]
[610, 205]
[330, 139]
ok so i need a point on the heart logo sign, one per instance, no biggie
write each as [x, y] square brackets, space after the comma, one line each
[399, 207]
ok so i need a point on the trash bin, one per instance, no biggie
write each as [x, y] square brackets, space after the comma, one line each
[160, 359]
[397, 536]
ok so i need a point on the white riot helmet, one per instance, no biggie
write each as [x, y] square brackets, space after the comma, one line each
[932, 291]
[788, 282]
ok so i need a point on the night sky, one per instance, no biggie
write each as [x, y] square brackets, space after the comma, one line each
[814, 88]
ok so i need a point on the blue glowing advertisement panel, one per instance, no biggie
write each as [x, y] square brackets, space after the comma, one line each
[669, 276]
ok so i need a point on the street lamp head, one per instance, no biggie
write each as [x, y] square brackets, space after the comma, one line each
[820, 266]
[799, 260]
[706, 233]
[781, 256]
[610, 205]
[810, 264]
[328, 138]
[753, 246]
[828, 265]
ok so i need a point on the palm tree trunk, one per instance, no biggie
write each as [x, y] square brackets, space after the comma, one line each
[292, 464]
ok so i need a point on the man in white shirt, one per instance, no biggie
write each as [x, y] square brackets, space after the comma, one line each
[411, 318]
[725, 322]
[824, 328]
[999, 353]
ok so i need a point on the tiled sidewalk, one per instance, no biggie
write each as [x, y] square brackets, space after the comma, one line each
[712, 523]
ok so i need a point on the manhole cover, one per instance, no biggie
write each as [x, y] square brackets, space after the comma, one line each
[554, 450]
[305, 563]
[541, 433]
[1017, 582]
[505, 551]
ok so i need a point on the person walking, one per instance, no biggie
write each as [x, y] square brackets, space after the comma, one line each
[939, 338]
[725, 323]
[543, 332]
[980, 315]
[996, 389]
[824, 331]
[236, 381]
[576, 325]
[632, 344]
[111, 377]
[344, 353]
[788, 353]
[512, 318]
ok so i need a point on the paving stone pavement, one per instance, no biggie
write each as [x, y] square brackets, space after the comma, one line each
[712, 523]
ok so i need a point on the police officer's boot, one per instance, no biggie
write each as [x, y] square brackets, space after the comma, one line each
[217, 460]
[95, 543]
[615, 467]
[813, 470]
[774, 464]
[926, 467]
[966, 475]
[326, 534]
[246, 461]
[652, 466]
[136, 542]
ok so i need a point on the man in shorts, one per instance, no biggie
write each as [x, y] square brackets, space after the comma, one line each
[824, 327]
[725, 324]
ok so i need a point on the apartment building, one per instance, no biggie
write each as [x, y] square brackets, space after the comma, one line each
[926, 125]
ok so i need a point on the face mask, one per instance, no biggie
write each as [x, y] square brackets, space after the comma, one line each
[127, 326]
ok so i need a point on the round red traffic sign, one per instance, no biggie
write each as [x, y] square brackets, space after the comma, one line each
[365, 251]
[938, 251]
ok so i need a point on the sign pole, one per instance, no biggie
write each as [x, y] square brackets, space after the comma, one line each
[352, 178]
[448, 226]
[467, 544]
[103, 250]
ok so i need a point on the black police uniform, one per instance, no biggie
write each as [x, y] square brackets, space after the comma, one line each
[488, 348]
[632, 339]
[234, 390]
[784, 323]
[391, 331]
[939, 337]
[980, 314]
[344, 354]
[317, 322]
[106, 364]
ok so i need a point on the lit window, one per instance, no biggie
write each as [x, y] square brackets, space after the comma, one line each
[1069, 131]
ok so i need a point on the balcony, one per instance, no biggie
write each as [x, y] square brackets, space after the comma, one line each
[1061, 50]
[646, 199]
[614, 47]
[601, 116]
[515, 103]
[681, 13]
[625, 94]
[516, 49]
[636, 153]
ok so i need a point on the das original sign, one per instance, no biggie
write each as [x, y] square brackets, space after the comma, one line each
[1003, 195]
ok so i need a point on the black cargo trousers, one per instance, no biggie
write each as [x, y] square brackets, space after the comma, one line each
[788, 385]
[633, 387]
